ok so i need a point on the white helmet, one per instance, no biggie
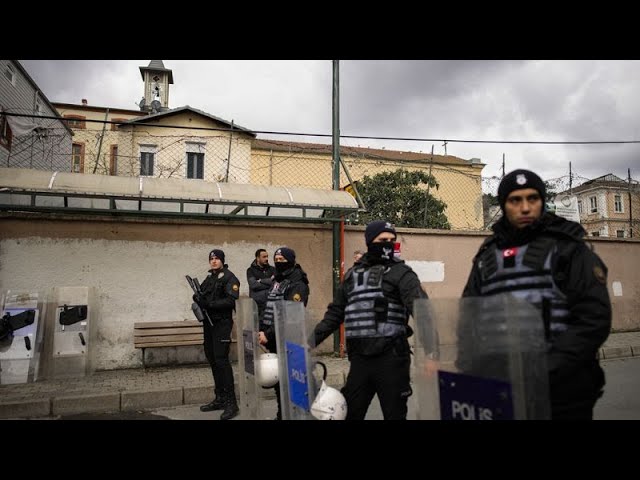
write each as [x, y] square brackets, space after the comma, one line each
[329, 404]
[267, 370]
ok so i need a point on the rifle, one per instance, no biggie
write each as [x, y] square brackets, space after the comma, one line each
[200, 314]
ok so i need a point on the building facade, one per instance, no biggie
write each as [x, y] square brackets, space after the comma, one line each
[609, 206]
[310, 165]
[30, 141]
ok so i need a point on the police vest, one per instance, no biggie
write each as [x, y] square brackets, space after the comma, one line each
[525, 272]
[276, 293]
[369, 313]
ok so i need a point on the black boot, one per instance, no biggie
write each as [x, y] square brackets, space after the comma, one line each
[218, 403]
[231, 406]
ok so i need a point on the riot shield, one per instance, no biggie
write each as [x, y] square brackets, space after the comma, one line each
[21, 347]
[252, 395]
[298, 383]
[72, 320]
[481, 358]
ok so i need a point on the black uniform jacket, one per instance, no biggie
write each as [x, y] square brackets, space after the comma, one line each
[297, 291]
[220, 291]
[581, 275]
[259, 279]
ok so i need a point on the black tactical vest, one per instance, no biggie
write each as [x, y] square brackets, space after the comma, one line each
[276, 293]
[525, 272]
[369, 313]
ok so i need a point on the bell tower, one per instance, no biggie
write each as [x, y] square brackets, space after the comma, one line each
[156, 79]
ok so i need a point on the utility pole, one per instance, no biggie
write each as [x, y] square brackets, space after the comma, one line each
[445, 147]
[226, 177]
[630, 209]
[337, 261]
[570, 180]
[426, 198]
[503, 165]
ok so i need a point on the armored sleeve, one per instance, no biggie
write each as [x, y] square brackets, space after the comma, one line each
[589, 313]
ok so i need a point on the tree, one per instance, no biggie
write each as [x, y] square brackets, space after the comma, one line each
[401, 197]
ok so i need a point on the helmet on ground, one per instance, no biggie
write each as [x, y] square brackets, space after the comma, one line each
[267, 370]
[329, 403]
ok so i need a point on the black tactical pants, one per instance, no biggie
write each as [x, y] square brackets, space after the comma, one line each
[386, 375]
[217, 343]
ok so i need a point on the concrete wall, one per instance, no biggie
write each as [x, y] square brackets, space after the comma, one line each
[138, 267]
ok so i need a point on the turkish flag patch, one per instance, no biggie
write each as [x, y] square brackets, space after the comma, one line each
[509, 257]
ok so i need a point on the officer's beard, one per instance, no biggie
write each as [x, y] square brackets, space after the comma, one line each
[380, 252]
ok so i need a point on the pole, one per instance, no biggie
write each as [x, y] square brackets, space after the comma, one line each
[226, 177]
[336, 186]
[570, 180]
[630, 209]
[104, 126]
[426, 198]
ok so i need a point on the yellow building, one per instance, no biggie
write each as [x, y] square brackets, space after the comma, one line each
[93, 138]
[185, 142]
[309, 165]
[157, 141]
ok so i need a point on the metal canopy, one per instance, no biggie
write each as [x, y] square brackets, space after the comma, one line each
[37, 190]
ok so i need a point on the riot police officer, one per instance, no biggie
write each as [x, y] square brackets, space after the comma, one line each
[290, 283]
[220, 290]
[543, 259]
[374, 301]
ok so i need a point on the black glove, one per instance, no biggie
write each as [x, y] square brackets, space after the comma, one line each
[199, 299]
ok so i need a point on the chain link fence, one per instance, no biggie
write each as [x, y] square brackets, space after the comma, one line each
[182, 150]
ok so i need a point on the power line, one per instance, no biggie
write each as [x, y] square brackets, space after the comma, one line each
[359, 137]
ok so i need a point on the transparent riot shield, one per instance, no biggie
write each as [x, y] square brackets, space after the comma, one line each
[72, 320]
[20, 350]
[298, 383]
[481, 358]
[252, 395]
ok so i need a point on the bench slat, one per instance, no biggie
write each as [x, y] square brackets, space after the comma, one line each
[152, 332]
[184, 323]
[169, 344]
[168, 338]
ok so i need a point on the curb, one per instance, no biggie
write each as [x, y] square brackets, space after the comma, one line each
[123, 401]
[608, 353]
[51, 401]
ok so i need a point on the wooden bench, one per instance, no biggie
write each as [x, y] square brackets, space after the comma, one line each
[166, 334]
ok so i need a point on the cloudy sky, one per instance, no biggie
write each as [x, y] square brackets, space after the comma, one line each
[551, 101]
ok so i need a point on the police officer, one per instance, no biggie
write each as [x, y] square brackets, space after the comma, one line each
[543, 258]
[290, 283]
[220, 290]
[260, 277]
[374, 301]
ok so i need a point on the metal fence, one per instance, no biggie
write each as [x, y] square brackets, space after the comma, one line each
[468, 200]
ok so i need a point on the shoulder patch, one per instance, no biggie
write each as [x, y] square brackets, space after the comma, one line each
[297, 297]
[235, 287]
[598, 272]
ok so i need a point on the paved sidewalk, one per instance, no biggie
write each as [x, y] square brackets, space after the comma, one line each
[137, 389]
